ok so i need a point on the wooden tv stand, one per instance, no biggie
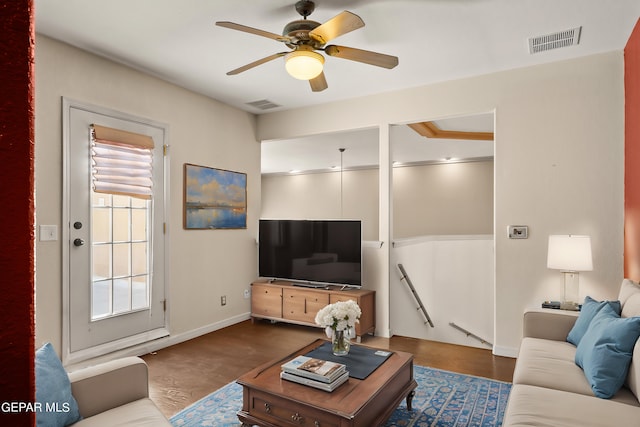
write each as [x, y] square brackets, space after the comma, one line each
[282, 301]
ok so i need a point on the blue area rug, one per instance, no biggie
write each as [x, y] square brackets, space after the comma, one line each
[442, 399]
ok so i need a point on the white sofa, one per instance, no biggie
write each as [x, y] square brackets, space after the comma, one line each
[550, 389]
[114, 394]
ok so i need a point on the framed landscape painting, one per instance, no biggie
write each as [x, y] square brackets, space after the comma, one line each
[214, 198]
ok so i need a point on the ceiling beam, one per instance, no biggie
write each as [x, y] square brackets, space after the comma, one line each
[431, 130]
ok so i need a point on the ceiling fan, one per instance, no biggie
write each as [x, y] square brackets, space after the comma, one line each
[305, 37]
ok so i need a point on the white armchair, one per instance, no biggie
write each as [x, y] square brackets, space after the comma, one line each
[115, 393]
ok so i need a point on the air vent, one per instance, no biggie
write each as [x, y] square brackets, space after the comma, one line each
[554, 41]
[263, 104]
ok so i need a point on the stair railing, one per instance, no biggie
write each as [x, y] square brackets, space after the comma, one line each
[469, 334]
[404, 276]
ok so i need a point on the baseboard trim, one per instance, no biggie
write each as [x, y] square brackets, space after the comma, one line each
[505, 351]
[195, 333]
[160, 343]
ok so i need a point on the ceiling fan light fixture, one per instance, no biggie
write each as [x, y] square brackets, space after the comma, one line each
[304, 64]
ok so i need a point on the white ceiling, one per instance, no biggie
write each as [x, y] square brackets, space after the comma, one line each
[435, 40]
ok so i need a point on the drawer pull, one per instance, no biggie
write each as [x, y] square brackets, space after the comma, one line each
[267, 408]
[316, 424]
[297, 418]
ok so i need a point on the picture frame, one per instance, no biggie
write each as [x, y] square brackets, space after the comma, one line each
[214, 198]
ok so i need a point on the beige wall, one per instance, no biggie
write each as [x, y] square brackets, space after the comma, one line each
[203, 264]
[453, 198]
[448, 198]
[558, 167]
[317, 196]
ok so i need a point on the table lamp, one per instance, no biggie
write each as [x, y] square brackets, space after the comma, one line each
[570, 254]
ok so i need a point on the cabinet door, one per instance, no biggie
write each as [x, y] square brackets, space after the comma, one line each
[266, 301]
[366, 302]
[302, 306]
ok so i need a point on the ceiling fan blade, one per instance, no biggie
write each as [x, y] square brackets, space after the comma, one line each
[340, 24]
[368, 57]
[256, 63]
[318, 83]
[251, 30]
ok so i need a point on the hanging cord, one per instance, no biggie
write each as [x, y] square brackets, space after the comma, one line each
[341, 183]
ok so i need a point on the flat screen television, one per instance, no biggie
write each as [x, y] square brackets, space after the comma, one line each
[311, 252]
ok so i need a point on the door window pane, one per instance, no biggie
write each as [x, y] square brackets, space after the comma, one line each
[121, 201]
[138, 203]
[120, 255]
[101, 225]
[121, 259]
[121, 295]
[121, 224]
[100, 299]
[138, 225]
[139, 292]
[138, 258]
[101, 262]
[100, 199]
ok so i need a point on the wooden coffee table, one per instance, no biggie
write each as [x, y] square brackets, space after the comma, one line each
[269, 401]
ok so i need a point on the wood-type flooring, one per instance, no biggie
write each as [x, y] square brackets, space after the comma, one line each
[184, 373]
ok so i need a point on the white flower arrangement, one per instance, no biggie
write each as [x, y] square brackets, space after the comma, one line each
[339, 316]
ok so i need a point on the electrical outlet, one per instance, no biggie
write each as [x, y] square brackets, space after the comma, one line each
[247, 294]
[223, 300]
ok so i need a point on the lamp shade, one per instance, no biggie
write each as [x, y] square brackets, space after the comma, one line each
[304, 64]
[569, 253]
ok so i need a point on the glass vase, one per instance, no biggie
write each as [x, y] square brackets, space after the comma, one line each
[340, 342]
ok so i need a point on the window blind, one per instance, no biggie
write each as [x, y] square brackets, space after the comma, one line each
[121, 162]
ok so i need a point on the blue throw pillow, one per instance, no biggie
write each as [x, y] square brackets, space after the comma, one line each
[56, 405]
[605, 350]
[589, 309]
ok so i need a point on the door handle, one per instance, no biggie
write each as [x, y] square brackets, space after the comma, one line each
[78, 242]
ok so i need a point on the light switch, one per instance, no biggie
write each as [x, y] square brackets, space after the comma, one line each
[518, 232]
[48, 233]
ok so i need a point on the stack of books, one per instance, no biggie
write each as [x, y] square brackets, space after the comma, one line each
[551, 304]
[321, 374]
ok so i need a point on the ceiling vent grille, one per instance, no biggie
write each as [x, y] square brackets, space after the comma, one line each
[263, 104]
[554, 41]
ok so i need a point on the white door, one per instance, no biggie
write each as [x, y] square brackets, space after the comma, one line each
[115, 292]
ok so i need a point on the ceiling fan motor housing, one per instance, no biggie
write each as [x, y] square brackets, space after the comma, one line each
[298, 31]
[305, 8]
